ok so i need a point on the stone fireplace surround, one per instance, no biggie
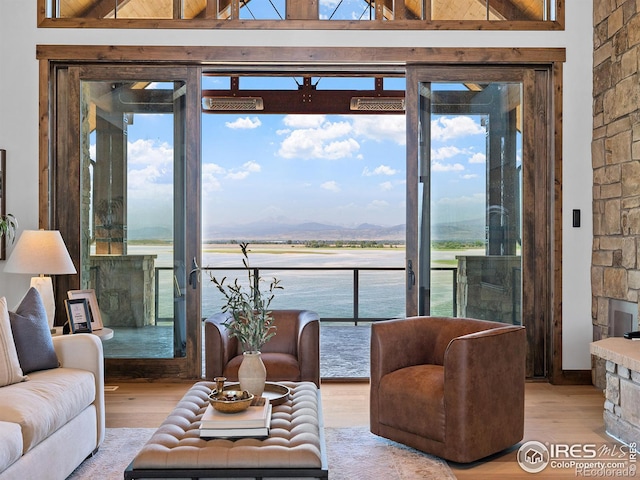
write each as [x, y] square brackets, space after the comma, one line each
[622, 392]
[615, 267]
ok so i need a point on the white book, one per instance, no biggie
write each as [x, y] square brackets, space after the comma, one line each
[238, 432]
[234, 432]
[258, 416]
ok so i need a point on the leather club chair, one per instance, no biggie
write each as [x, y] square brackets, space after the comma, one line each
[292, 354]
[451, 387]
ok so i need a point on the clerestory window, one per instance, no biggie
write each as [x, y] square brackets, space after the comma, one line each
[317, 14]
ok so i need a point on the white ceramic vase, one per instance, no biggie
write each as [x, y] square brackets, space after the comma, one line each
[252, 373]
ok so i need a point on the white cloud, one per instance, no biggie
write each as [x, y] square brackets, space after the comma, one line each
[304, 121]
[469, 176]
[478, 158]
[244, 123]
[331, 185]
[213, 169]
[325, 140]
[252, 166]
[386, 186]
[380, 127]
[444, 167]
[149, 152]
[239, 175]
[381, 170]
[150, 171]
[210, 174]
[446, 128]
[443, 153]
[143, 177]
[244, 171]
[340, 149]
[313, 136]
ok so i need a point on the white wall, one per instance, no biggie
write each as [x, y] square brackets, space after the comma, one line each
[19, 120]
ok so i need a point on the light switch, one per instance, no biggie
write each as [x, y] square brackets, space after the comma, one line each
[576, 217]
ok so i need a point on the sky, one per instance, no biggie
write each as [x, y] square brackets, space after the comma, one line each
[332, 169]
[328, 10]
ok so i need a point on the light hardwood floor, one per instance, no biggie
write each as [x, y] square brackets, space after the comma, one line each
[554, 414]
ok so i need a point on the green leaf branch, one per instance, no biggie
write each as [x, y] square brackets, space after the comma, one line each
[8, 226]
[251, 322]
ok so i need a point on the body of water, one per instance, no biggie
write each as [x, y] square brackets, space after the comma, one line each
[330, 293]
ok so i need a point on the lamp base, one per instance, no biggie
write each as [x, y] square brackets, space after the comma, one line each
[44, 285]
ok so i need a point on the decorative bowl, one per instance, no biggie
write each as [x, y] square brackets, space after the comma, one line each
[230, 401]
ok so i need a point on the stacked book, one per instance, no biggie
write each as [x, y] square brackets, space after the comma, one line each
[255, 421]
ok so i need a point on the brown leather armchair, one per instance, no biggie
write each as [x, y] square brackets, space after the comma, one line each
[292, 354]
[451, 387]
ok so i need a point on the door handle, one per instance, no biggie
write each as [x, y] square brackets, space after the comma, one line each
[194, 274]
[411, 276]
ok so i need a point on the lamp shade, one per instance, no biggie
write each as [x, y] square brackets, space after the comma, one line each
[40, 252]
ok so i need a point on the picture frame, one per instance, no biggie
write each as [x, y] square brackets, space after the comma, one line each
[78, 315]
[3, 199]
[94, 310]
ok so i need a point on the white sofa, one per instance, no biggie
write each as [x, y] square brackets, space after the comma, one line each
[54, 420]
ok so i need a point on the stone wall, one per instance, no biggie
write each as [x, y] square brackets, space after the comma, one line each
[125, 289]
[615, 269]
[489, 287]
[622, 392]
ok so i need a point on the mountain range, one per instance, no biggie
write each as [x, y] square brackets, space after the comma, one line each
[274, 231]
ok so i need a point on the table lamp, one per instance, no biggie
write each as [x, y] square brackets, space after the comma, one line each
[41, 252]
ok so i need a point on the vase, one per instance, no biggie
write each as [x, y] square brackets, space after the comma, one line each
[252, 373]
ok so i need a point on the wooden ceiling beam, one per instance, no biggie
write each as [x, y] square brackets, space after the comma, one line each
[103, 8]
[326, 102]
[511, 9]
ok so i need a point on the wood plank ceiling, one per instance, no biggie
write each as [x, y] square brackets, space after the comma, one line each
[440, 9]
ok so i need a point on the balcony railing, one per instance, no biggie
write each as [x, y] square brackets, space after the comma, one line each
[388, 287]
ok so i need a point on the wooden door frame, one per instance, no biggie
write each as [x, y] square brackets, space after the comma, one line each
[65, 204]
[342, 59]
[536, 208]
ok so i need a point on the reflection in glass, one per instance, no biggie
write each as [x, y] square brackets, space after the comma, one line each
[347, 10]
[132, 187]
[471, 199]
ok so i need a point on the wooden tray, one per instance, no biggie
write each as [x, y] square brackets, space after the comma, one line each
[274, 392]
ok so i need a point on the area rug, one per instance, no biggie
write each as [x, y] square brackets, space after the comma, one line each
[353, 454]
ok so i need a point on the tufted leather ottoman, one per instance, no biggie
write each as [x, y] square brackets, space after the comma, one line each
[295, 446]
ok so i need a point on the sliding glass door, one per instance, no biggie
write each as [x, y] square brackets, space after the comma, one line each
[470, 166]
[138, 174]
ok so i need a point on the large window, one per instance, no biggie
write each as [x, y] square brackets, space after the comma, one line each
[103, 112]
[322, 14]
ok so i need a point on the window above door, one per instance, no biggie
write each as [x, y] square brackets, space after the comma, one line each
[307, 14]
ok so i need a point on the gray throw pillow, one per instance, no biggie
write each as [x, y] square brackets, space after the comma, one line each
[31, 334]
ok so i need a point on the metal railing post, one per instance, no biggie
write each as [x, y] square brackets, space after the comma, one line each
[356, 300]
[256, 282]
[156, 300]
[455, 292]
